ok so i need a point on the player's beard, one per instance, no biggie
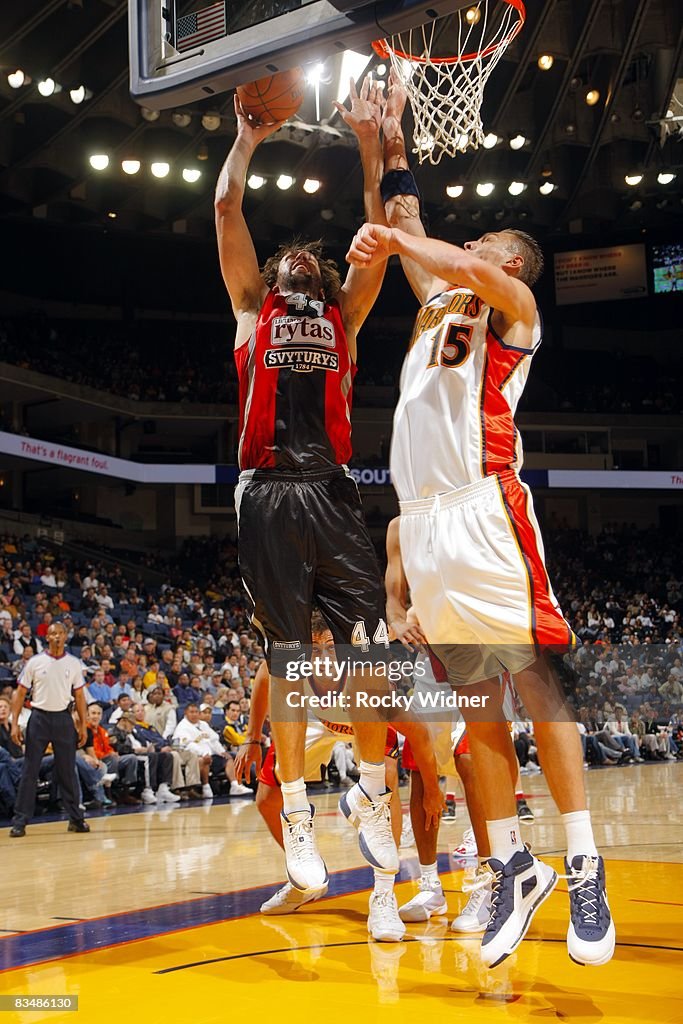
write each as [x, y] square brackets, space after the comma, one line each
[300, 281]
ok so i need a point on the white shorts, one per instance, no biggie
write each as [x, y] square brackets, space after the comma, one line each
[474, 562]
[318, 747]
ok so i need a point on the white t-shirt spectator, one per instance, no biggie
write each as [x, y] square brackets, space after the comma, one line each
[199, 738]
[51, 680]
[48, 579]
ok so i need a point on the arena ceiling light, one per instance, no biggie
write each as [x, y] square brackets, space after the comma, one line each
[592, 97]
[381, 70]
[181, 118]
[353, 65]
[79, 94]
[255, 181]
[211, 121]
[284, 182]
[17, 78]
[130, 166]
[160, 169]
[150, 115]
[454, 191]
[515, 188]
[490, 140]
[473, 15]
[48, 87]
[665, 177]
[633, 179]
[546, 61]
[547, 188]
[99, 161]
[485, 188]
[191, 174]
[517, 141]
[311, 185]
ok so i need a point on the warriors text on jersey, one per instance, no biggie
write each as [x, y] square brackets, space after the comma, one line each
[460, 385]
[295, 379]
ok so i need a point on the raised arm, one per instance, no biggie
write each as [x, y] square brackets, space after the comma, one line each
[403, 210]
[360, 289]
[409, 633]
[239, 265]
[509, 296]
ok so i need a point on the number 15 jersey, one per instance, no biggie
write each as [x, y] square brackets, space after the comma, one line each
[460, 385]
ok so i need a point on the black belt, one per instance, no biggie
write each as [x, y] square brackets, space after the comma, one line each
[45, 712]
[299, 475]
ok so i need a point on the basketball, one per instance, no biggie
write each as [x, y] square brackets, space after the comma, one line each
[274, 98]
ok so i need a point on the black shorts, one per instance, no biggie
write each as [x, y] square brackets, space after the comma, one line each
[303, 541]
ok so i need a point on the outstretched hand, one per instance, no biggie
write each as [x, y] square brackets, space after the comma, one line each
[396, 98]
[370, 246]
[365, 116]
[253, 131]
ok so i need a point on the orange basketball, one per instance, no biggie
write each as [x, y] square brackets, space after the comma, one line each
[274, 98]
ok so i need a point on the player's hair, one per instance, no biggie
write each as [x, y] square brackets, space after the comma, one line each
[530, 251]
[329, 272]
[318, 624]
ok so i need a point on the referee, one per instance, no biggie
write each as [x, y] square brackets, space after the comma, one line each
[52, 676]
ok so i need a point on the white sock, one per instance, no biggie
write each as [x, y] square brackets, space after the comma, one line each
[294, 798]
[579, 831]
[430, 874]
[504, 838]
[373, 778]
[384, 881]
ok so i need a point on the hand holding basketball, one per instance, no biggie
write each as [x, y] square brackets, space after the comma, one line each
[250, 129]
[365, 115]
[274, 99]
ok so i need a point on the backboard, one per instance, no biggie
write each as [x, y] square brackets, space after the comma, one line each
[181, 52]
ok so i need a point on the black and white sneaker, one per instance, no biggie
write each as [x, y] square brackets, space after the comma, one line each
[524, 812]
[591, 936]
[518, 889]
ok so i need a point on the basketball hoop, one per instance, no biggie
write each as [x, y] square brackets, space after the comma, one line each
[446, 93]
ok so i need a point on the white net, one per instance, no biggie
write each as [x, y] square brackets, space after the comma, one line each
[446, 93]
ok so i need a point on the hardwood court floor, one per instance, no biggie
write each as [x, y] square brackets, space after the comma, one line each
[155, 914]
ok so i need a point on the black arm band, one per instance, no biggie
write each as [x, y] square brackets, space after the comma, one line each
[398, 183]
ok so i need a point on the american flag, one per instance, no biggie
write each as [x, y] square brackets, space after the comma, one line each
[200, 27]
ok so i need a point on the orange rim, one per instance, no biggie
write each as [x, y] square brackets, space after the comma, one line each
[383, 50]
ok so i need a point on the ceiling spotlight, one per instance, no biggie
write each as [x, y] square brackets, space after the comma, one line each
[160, 168]
[546, 171]
[284, 182]
[311, 185]
[130, 166]
[575, 83]
[79, 94]
[546, 188]
[517, 141]
[99, 161]
[191, 174]
[546, 61]
[665, 177]
[515, 188]
[454, 191]
[112, 215]
[592, 97]
[490, 140]
[472, 15]
[319, 73]
[327, 214]
[181, 118]
[381, 70]
[661, 204]
[16, 78]
[499, 214]
[637, 204]
[475, 215]
[570, 128]
[633, 179]
[47, 87]
[638, 115]
[211, 121]
[485, 188]
[255, 181]
[150, 115]
[203, 152]
[614, 118]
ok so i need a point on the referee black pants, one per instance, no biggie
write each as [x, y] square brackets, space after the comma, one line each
[57, 728]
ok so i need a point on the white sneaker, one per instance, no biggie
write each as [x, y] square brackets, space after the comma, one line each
[237, 789]
[373, 822]
[407, 835]
[306, 869]
[591, 936]
[147, 796]
[207, 792]
[166, 796]
[468, 846]
[109, 777]
[384, 923]
[288, 899]
[475, 915]
[518, 889]
[428, 902]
